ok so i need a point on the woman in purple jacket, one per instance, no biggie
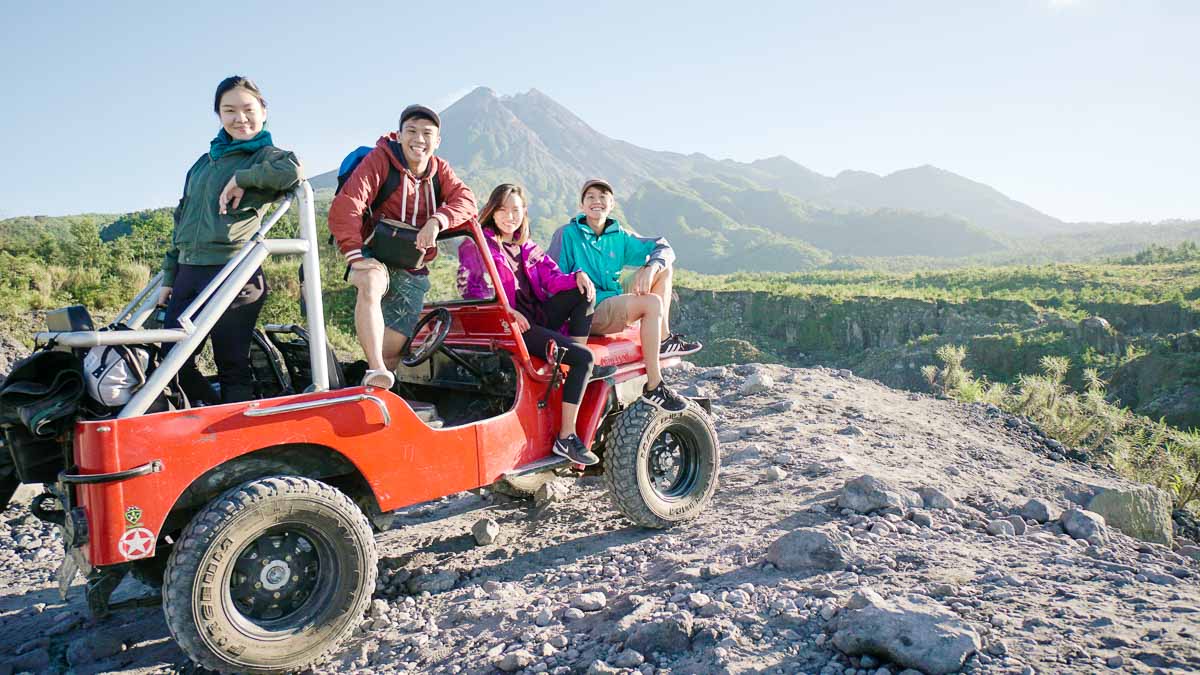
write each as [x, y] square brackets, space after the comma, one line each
[544, 301]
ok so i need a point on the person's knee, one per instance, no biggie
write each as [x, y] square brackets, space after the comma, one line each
[651, 305]
[371, 284]
[579, 356]
[586, 356]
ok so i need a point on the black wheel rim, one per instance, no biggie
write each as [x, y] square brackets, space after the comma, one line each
[280, 576]
[673, 463]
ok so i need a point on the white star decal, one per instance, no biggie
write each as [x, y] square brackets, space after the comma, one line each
[136, 543]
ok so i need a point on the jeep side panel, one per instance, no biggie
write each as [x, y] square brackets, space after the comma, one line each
[404, 462]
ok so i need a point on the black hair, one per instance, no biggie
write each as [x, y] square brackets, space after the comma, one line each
[487, 215]
[234, 82]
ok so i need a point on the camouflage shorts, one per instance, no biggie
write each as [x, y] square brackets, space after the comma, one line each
[404, 300]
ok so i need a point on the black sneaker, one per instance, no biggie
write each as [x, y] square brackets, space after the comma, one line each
[573, 449]
[676, 345]
[601, 372]
[663, 398]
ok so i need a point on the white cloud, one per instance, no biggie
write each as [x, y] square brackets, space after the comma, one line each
[1063, 4]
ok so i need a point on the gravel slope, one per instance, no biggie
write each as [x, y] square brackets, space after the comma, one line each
[570, 586]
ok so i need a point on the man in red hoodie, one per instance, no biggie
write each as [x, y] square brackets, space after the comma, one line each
[431, 197]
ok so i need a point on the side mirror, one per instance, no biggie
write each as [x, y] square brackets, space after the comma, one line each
[552, 352]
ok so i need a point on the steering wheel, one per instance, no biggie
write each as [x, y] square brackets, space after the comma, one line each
[440, 320]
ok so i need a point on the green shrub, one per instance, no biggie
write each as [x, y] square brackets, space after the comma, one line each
[1142, 449]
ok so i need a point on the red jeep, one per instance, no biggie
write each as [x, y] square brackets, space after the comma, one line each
[256, 517]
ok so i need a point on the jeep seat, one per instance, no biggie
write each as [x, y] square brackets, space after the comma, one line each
[617, 349]
[292, 343]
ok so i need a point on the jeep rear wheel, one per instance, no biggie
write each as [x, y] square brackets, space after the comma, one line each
[661, 468]
[272, 576]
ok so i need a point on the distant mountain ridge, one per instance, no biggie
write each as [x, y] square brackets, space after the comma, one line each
[770, 214]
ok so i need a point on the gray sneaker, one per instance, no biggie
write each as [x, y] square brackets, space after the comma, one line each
[573, 449]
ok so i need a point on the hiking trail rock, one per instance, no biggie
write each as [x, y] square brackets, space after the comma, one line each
[810, 549]
[869, 493]
[1040, 510]
[1001, 527]
[485, 531]
[514, 661]
[433, 582]
[934, 498]
[590, 602]
[1084, 525]
[911, 631]
[668, 635]
[774, 473]
[1142, 512]
[757, 384]
[553, 491]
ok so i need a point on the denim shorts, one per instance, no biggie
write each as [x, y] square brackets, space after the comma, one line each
[404, 300]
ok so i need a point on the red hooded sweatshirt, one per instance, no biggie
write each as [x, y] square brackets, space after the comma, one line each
[412, 202]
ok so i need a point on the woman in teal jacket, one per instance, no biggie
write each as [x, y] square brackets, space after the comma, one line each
[225, 195]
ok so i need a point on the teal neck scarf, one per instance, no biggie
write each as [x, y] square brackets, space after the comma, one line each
[224, 144]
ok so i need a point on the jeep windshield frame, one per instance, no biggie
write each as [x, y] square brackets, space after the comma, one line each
[498, 300]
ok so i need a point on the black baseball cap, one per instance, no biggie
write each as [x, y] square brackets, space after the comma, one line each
[420, 111]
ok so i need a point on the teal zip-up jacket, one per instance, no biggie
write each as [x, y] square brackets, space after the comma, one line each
[203, 236]
[576, 247]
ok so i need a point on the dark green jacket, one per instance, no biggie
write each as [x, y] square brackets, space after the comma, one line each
[204, 237]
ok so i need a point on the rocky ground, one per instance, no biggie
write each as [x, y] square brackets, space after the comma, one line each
[11, 351]
[960, 549]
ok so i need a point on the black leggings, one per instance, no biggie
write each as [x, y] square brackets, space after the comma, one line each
[573, 309]
[230, 336]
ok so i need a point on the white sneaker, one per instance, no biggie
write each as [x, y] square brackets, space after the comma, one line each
[372, 374]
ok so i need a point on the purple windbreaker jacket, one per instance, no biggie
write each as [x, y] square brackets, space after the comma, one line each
[544, 275]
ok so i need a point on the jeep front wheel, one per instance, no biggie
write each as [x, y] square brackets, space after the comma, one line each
[272, 576]
[661, 468]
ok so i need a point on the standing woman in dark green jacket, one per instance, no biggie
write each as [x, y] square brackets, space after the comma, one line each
[225, 195]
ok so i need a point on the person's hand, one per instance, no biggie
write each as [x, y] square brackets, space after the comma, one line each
[427, 236]
[584, 283]
[231, 193]
[164, 294]
[519, 319]
[644, 279]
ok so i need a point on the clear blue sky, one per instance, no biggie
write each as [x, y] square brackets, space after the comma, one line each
[1085, 109]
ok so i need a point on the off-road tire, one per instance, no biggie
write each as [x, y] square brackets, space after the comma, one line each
[198, 601]
[627, 464]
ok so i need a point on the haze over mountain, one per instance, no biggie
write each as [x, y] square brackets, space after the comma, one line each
[770, 215]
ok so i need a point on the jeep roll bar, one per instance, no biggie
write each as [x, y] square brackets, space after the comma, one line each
[198, 318]
[524, 358]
